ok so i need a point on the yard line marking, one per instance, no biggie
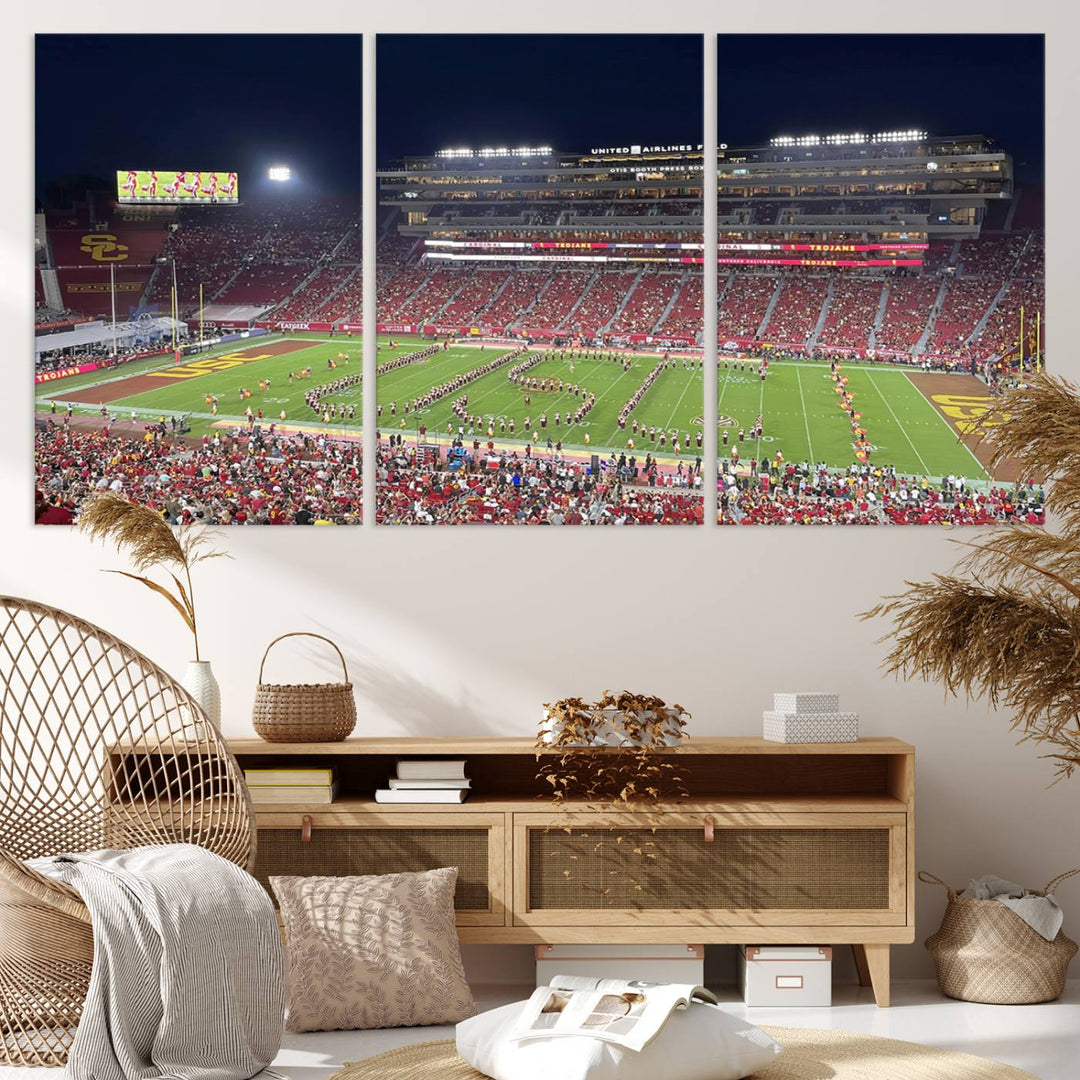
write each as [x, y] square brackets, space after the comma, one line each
[677, 403]
[806, 419]
[983, 474]
[926, 471]
[723, 389]
[761, 410]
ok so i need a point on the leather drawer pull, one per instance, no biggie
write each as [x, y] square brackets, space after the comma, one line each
[709, 823]
[305, 829]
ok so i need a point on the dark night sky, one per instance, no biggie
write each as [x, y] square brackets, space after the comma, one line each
[202, 101]
[947, 84]
[243, 102]
[567, 91]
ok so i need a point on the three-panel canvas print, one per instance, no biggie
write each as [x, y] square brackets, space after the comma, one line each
[545, 345]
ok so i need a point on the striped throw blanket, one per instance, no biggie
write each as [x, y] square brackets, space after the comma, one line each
[187, 977]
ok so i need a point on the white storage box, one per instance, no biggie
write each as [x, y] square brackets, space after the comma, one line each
[801, 702]
[645, 963]
[810, 728]
[782, 976]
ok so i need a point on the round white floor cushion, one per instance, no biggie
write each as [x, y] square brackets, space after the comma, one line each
[701, 1042]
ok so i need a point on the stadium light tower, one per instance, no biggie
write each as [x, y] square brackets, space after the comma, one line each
[280, 173]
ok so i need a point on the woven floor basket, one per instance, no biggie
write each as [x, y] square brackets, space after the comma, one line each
[321, 712]
[985, 952]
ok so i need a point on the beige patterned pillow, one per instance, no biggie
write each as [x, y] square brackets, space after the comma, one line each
[373, 952]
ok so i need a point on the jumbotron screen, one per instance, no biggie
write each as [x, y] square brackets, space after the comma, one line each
[151, 186]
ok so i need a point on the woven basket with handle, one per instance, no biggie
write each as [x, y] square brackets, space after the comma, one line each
[985, 952]
[305, 712]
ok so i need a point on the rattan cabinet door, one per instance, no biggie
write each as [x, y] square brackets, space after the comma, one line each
[344, 844]
[789, 869]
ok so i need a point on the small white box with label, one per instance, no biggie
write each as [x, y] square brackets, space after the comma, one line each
[644, 963]
[780, 976]
[814, 728]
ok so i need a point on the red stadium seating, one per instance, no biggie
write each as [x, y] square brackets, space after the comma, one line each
[306, 304]
[601, 301]
[991, 256]
[263, 284]
[851, 314]
[562, 293]
[646, 303]
[797, 310]
[425, 305]
[1002, 330]
[509, 308]
[966, 301]
[472, 301]
[906, 311]
[744, 304]
[685, 317]
[394, 295]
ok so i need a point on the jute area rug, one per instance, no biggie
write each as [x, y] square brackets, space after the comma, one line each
[808, 1055]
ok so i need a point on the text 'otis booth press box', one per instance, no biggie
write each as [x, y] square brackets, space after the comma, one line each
[780, 976]
[642, 963]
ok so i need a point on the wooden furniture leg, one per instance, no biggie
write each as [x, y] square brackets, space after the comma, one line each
[860, 964]
[875, 959]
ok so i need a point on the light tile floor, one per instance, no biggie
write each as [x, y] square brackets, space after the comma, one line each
[1044, 1039]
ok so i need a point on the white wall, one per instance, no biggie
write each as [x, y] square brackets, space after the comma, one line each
[468, 631]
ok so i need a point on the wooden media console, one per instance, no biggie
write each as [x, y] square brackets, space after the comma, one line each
[777, 843]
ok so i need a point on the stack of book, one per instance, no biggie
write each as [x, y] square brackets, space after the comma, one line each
[300, 786]
[431, 781]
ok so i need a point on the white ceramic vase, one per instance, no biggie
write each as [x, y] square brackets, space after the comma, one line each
[200, 683]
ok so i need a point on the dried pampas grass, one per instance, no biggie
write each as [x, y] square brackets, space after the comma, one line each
[150, 542]
[1009, 630]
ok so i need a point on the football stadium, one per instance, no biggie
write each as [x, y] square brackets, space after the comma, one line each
[558, 297]
[876, 291]
[161, 369]
[169, 364]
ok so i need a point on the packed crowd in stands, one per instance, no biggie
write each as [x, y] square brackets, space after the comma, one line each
[237, 478]
[851, 314]
[909, 301]
[684, 318]
[303, 256]
[783, 493]
[797, 309]
[304, 305]
[488, 486]
[555, 302]
[966, 301]
[645, 305]
[601, 300]
[744, 299]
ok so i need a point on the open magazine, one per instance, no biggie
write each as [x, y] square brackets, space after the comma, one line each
[626, 1012]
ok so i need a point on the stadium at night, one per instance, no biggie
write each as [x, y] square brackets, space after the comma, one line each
[540, 320]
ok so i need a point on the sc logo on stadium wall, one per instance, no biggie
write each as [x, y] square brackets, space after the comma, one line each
[100, 247]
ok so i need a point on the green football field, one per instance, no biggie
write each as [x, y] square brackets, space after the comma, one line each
[188, 395]
[674, 402]
[797, 400]
[804, 422]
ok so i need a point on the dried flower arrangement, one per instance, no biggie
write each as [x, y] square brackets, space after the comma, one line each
[614, 754]
[150, 542]
[1009, 630]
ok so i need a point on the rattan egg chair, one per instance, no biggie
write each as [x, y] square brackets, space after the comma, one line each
[99, 748]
